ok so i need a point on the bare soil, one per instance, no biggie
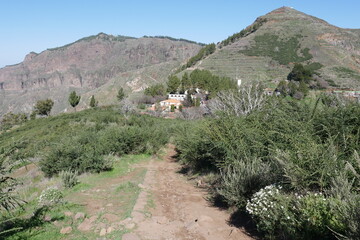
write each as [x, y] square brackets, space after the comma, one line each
[169, 207]
[181, 210]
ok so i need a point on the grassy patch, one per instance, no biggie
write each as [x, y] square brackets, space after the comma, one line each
[313, 66]
[36, 228]
[344, 72]
[281, 50]
[129, 192]
[123, 193]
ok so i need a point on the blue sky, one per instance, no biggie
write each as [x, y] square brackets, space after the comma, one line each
[35, 25]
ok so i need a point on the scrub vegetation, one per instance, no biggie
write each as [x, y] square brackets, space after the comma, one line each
[291, 165]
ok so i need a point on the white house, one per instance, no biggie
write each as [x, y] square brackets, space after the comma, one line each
[177, 96]
[166, 104]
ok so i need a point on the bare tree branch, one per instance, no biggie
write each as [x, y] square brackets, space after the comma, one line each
[241, 101]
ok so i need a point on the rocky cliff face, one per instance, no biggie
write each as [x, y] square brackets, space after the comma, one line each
[88, 65]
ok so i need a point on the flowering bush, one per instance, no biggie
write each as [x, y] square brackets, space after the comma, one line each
[270, 209]
[50, 196]
[294, 216]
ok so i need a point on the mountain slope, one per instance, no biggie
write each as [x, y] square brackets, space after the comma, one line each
[267, 49]
[87, 66]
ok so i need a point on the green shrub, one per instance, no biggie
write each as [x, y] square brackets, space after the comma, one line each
[308, 165]
[43, 107]
[196, 150]
[269, 208]
[10, 119]
[142, 106]
[351, 218]
[242, 179]
[69, 178]
[132, 139]
[307, 147]
[77, 153]
[341, 124]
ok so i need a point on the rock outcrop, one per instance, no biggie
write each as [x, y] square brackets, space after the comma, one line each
[87, 65]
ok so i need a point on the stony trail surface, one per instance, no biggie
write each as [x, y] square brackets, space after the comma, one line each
[180, 210]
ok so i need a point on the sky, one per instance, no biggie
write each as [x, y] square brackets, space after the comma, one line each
[35, 25]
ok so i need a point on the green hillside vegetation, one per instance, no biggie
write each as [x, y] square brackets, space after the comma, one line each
[202, 79]
[11, 119]
[204, 52]
[298, 158]
[88, 141]
[80, 141]
[155, 90]
[243, 33]
[207, 81]
[284, 51]
[347, 73]
[293, 166]
[302, 78]
[266, 50]
[287, 164]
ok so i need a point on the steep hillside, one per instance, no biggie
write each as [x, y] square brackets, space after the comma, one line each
[93, 65]
[267, 49]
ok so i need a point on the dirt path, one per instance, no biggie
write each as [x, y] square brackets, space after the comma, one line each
[180, 212]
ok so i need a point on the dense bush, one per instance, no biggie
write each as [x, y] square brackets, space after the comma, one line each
[205, 80]
[85, 152]
[79, 141]
[155, 90]
[11, 119]
[200, 153]
[43, 107]
[307, 148]
[241, 179]
[81, 153]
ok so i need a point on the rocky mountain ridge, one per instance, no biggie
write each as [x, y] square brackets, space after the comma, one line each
[87, 65]
[265, 51]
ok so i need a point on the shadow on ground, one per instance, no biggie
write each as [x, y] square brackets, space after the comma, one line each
[241, 219]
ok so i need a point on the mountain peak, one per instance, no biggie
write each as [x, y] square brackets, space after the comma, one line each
[286, 11]
[289, 13]
[284, 36]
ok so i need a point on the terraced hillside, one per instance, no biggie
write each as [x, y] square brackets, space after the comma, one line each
[267, 50]
[96, 65]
